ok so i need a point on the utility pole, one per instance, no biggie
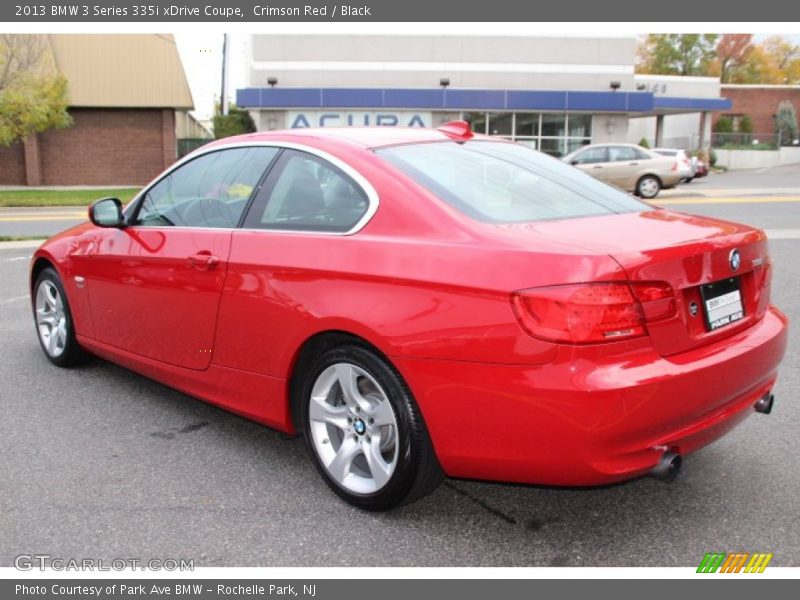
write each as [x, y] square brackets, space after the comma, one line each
[223, 97]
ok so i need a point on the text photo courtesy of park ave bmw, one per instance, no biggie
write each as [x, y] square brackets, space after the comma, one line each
[289, 295]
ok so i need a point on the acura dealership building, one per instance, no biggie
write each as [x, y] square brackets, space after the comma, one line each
[553, 93]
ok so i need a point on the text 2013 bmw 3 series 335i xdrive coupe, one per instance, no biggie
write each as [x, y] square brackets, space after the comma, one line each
[421, 303]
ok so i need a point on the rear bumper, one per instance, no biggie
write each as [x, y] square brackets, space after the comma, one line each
[580, 421]
[673, 179]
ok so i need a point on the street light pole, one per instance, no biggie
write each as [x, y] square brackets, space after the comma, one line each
[223, 98]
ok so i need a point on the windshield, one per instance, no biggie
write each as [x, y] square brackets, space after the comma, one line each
[498, 182]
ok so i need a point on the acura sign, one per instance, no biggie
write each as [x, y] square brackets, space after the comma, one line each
[333, 118]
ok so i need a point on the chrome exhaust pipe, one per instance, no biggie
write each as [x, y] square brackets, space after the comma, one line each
[764, 404]
[668, 467]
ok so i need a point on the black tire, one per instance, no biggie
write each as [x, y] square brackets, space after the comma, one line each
[71, 354]
[648, 187]
[417, 471]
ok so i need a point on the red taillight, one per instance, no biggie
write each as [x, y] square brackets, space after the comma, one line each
[674, 167]
[592, 312]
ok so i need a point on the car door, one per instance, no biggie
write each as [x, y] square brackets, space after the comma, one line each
[277, 281]
[593, 161]
[155, 285]
[624, 166]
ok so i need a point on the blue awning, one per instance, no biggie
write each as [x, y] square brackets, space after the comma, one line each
[636, 103]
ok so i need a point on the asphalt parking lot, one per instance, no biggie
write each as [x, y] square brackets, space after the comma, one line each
[99, 462]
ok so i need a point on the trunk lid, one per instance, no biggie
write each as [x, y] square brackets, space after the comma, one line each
[685, 251]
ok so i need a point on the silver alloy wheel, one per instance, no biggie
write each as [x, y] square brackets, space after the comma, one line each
[648, 187]
[51, 318]
[353, 428]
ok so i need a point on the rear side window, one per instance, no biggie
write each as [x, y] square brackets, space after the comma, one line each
[507, 183]
[306, 193]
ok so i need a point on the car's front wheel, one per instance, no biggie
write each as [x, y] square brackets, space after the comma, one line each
[53, 321]
[648, 187]
[364, 430]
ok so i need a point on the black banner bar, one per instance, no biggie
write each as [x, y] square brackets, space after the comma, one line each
[255, 11]
[398, 589]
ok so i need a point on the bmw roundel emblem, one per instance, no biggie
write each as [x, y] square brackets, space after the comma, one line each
[735, 260]
[359, 426]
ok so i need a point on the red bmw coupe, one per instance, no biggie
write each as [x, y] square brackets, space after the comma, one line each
[421, 303]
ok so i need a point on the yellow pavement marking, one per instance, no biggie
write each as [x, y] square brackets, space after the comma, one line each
[77, 216]
[727, 200]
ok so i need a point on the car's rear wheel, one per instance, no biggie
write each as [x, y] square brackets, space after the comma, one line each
[364, 430]
[53, 321]
[648, 186]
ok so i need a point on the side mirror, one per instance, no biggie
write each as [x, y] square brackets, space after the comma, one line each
[574, 162]
[107, 212]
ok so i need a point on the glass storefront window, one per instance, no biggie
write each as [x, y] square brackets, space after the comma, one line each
[476, 120]
[554, 133]
[527, 125]
[574, 144]
[554, 125]
[580, 125]
[553, 146]
[501, 124]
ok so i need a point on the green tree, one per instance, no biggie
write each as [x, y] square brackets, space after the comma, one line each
[33, 96]
[723, 125]
[786, 123]
[236, 122]
[745, 124]
[676, 53]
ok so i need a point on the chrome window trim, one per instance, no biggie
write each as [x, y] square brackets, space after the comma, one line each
[372, 196]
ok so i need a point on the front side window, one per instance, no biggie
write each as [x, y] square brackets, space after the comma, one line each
[591, 156]
[499, 182]
[306, 193]
[210, 191]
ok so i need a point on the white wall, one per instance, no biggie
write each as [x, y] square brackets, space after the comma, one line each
[757, 159]
[469, 61]
[610, 128]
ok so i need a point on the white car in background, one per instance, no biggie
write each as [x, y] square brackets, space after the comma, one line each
[686, 165]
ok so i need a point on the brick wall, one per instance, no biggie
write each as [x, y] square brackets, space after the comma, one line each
[759, 103]
[101, 147]
[109, 147]
[12, 165]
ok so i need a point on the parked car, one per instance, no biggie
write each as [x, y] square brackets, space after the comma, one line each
[686, 164]
[700, 168]
[629, 167]
[421, 303]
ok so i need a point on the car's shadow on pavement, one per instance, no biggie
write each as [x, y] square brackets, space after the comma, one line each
[152, 449]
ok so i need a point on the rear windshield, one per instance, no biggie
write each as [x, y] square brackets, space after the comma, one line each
[498, 182]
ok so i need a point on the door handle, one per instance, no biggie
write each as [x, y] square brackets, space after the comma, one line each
[203, 261]
[633, 164]
[597, 167]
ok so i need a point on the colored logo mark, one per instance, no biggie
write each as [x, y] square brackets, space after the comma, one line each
[735, 562]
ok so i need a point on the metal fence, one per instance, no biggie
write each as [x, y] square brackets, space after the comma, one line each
[187, 145]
